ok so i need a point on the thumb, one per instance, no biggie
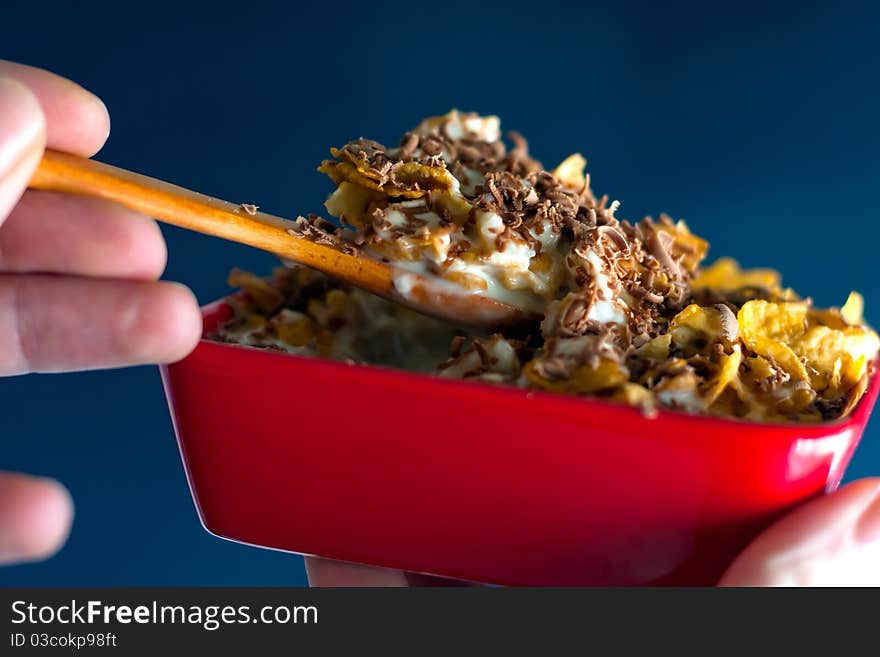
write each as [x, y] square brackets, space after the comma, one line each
[22, 139]
[831, 541]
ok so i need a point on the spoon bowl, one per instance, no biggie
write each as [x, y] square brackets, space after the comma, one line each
[242, 223]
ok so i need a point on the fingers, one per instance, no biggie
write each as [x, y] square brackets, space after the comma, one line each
[324, 572]
[39, 108]
[35, 517]
[59, 233]
[76, 120]
[831, 541]
[22, 138]
[55, 323]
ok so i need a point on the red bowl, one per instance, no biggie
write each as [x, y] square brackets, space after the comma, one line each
[480, 482]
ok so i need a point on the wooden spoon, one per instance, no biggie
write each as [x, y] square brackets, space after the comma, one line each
[430, 295]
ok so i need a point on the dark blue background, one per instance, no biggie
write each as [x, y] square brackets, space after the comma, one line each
[757, 125]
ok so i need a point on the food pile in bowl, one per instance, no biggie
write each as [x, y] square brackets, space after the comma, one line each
[629, 312]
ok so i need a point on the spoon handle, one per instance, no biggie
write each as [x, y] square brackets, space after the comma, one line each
[181, 207]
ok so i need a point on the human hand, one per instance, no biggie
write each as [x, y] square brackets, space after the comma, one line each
[78, 281]
[830, 541]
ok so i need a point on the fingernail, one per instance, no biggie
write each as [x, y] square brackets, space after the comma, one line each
[22, 126]
[868, 526]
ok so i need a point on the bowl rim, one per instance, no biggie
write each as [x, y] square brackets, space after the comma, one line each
[858, 416]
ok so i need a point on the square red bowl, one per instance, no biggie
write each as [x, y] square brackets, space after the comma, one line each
[481, 482]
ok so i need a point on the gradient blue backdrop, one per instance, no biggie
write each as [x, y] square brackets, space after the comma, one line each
[756, 125]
